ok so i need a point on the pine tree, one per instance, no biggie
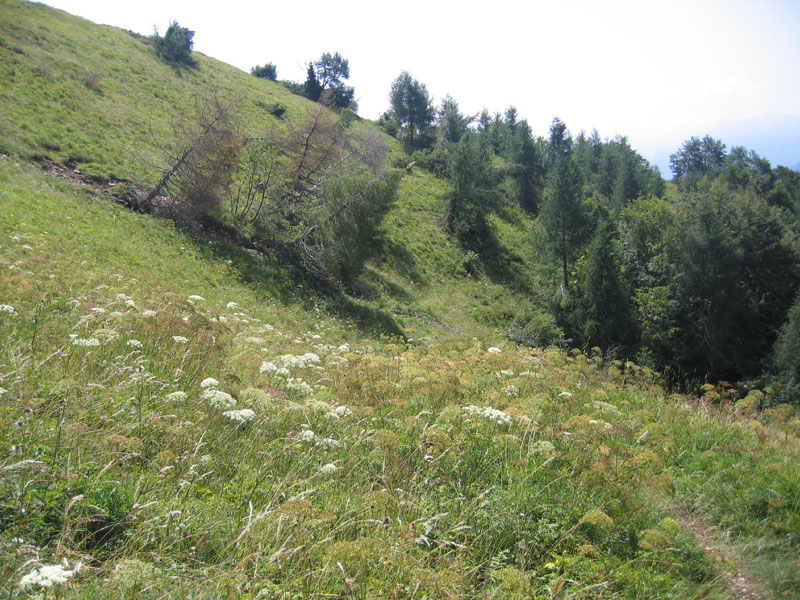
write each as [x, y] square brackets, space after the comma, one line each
[563, 214]
[312, 88]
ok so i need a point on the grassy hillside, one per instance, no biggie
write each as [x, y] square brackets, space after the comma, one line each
[100, 100]
[186, 418]
[461, 467]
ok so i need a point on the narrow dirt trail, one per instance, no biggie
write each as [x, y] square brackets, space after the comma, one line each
[740, 585]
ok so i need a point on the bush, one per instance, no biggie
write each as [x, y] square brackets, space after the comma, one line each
[176, 45]
[267, 71]
[535, 328]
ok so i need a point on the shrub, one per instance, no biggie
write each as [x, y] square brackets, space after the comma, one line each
[267, 71]
[176, 45]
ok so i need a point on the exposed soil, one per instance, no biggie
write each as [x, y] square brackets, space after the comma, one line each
[123, 192]
[731, 565]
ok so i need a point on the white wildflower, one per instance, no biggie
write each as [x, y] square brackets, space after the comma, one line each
[86, 343]
[267, 367]
[179, 339]
[512, 391]
[149, 314]
[507, 373]
[240, 417]
[134, 344]
[231, 305]
[328, 469]
[489, 413]
[307, 436]
[342, 411]
[282, 372]
[494, 350]
[98, 310]
[176, 396]
[219, 399]
[196, 298]
[26, 247]
[209, 382]
[49, 575]
[7, 309]
[327, 443]
[303, 361]
[565, 395]
[300, 386]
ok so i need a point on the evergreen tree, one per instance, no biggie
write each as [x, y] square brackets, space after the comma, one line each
[331, 71]
[695, 159]
[451, 123]
[312, 88]
[602, 314]
[176, 45]
[563, 213]
[411, 109]
[267, 71]
[528, 168]
[474, 190]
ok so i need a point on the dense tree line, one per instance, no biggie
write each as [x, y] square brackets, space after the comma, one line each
[700, 281]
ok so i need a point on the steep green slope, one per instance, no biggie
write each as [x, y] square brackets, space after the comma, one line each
[464, 467]
[100, 100]
[456, 465]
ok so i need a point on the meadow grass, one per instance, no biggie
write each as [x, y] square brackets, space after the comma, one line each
[187, 418]
[366, 468]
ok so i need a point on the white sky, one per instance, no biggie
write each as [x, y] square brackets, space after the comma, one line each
[656, 71]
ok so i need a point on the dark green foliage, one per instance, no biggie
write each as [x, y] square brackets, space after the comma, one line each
[559, 143]
[474, 191]
[602, 312]
[535, 328]
[355, 204]
[615, 170]
[411, 109]
[312, 88]
[563, 213]
[695, 159]
[325, 81]
[786, 369]
[176, 45]
[451, 123]
[266, 71]
[527, 168]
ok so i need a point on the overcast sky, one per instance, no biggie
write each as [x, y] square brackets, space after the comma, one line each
[658, 72]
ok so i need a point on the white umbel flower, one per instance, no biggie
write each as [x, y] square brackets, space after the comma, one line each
[49, 575]
[241, 417]
[328, 469]
[209, 382]
[494, 350]
[488, 413]
[219, 399]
